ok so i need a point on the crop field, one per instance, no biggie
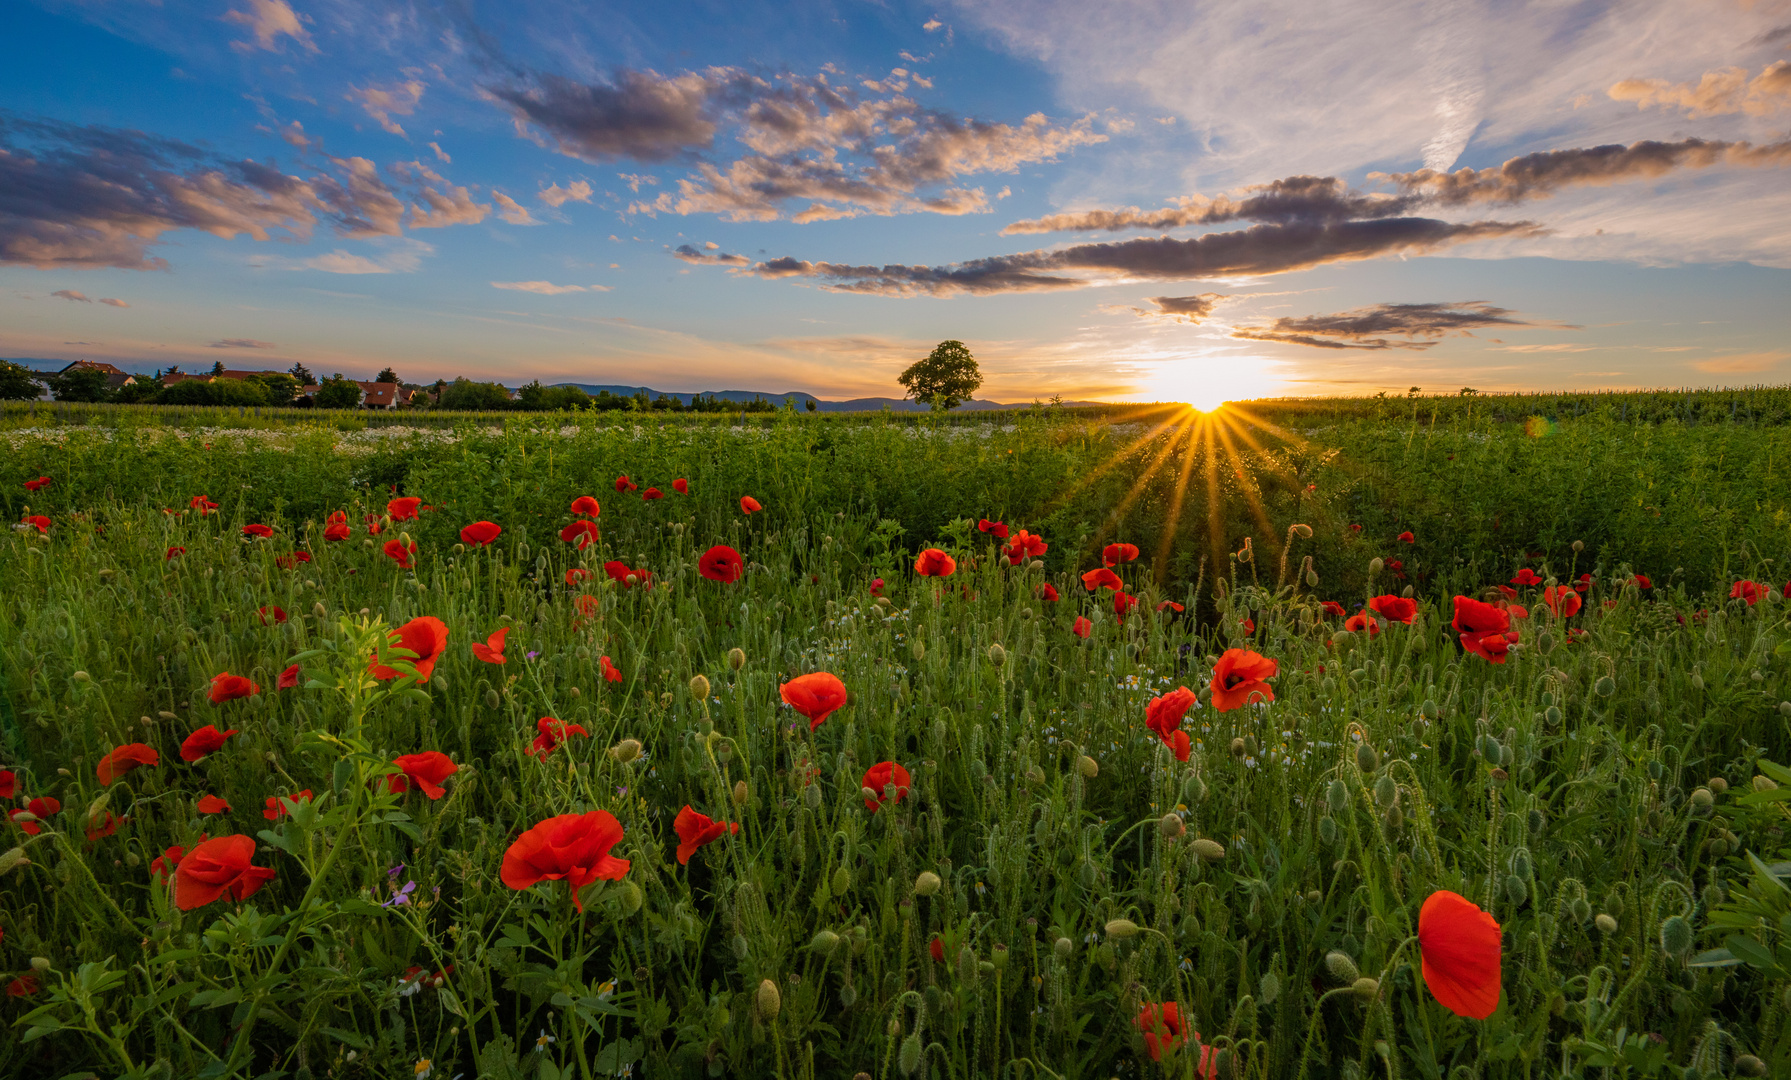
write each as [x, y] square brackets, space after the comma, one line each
[1269, 743]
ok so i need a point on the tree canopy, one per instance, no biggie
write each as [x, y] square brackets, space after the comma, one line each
[945, 379]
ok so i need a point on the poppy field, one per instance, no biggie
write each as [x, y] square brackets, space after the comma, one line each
[1051, 750]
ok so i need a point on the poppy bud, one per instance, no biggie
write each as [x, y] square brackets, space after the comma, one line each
[736, 658]
[1394, 818]
[1366, 759]
[824, 942]
[1580, 910]
[40, 963]
[1675, 936]
[848, 998]
[740, 793]
[812, 796]
[1063, 946]
[1313, 896]
[1717, 784]
[1785, 708]
[741, 949]
[1702, 800]
[632, 898]
[768, 1000]
[1550, 716]
[1374, 567]
[1327, 830]
[1121, 928]
[1193, 789]
[1238, 749]
[1171, 827]
[1386, 792]
[967, 965]
[997, 655]
[1341, 967]
[1210, 850]
[1765, 783]
[1697, 681]
[1304, 532]
[919, 649]
[491, 699]
[1035, 775]
[1337, 796]
[625, 751]
[12, 859]
[1090, 769]
[842, 881]
[1367, 989]
[699, 687]
[908, 1058]
[1749, 1065]
[1312, 579]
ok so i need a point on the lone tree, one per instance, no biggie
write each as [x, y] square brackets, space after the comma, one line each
[945, 379]
[388, 375]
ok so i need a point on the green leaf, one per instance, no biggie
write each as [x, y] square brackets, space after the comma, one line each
[1776, 771]
[354, 1039]
[611, 1058]
[1751, 952]
[514, 936]
[277, 839]
[1714, 958]
[1761, 798]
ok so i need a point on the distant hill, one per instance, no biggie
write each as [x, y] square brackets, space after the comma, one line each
[872, 404]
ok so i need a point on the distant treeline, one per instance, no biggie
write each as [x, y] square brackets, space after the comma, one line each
[1761, 406]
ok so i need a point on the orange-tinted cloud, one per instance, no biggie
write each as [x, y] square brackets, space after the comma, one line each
[1726, 90]
[1539, 175]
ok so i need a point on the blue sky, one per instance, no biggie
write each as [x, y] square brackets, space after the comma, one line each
[1147, 200]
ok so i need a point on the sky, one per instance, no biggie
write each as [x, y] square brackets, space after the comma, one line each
[1130, 200]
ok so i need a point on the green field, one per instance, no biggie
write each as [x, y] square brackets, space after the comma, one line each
[1052, 876]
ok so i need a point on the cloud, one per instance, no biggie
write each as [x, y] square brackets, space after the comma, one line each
[361, 203]
[1383, 326]
[113, 302]
[689, 254]
[1258, 250]
[440, 154]
[404, 260]
[382, 102]
[547, 288]
[1539, 175]
[1743, 363]
[931, 25]
[812, 151]
[512, 211]
[556, 196]
[1294, 198]
[451, 205]
[70, 294]
[240, 343]
[1188, 309]
[1720, 92]
[268, 21]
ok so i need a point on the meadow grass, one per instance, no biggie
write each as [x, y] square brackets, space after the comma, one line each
[1610, 793]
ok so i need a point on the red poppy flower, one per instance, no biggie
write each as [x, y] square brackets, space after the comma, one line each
[880, 776]
[1101, 578]
[993, 528]
[1507, 592]
[551, 734]
[426, 636]
[103, 825]
[289, 679]
[1048, 593]
[1332, 607]
[1397, 567]
[23, 986]
[1397, 609]
[1124, 602]
[273, 612]
[37, 521]
[37, 485]
[40, 808]
[163, 865]
[1483, 628]
[749, 505]
[201, 504]
[571, 847]
[1114, 554]
[290, 562]
[1169, 604]
[480, 533]
[1582, 583]
[935, 563]
[581, 531]
[696, 830]
[936, 950]
[218, 867]
[211, 804]
[681, 486]
[721, 563]
[586, 506]
[1460, 947]
[651, 494]
[586, 606]
[228, 687]
[1361, 621]
[1238, 678]
[815, 696]
[1025, 545]
[9, 784]
[1081, 627]
[491, 650]
[625, 484]
[1746, 590]
[1408, 537]
[404, 509]
[1526, 576]
[258, 531]
[1163, 715]
[427, 770]
[396, 551]
[173, 551]
[876, 587]
[1355, 528]
[576, 575]
[277, 809]
[618, 571]
[124, 760]
[610, 672]
[1163, 1029]
[1563, 601]
[207, 740]
[1641, 581]
[373, 525]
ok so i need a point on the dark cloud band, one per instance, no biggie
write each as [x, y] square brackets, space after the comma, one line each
[1384, 326]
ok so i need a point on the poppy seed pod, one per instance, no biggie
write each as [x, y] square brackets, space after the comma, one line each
[699, 687]
[625, 751]
[741, 795]
[1342, 967]
[1366, 759]
[1366, 989]
[1578, 546]
[1090, 769]
[1210, 850]
[736, 658]
[768, 1001]
[1238, 749]
[1121, 928]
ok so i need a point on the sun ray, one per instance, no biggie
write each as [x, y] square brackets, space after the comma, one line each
[1172, 519]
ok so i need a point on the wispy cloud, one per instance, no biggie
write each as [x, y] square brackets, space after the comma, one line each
[267, 22]
[1383, 326]
[1743, 363]
[556, 196]
[1727, 90]
[70, 294]
[240, 343]
[111, 301]
[383, 102]
[547, 288]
